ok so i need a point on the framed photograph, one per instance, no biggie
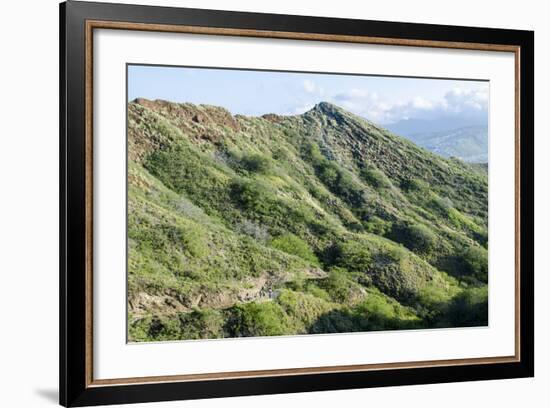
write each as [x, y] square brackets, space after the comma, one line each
[257, 204]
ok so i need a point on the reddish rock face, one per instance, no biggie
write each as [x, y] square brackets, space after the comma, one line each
[201, 114]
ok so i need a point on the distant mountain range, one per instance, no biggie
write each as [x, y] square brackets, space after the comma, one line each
[468, 143]
[447, 138]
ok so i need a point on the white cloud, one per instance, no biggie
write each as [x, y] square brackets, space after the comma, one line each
[309, 86]
[312, 88]
[459, 101]
[422, 103]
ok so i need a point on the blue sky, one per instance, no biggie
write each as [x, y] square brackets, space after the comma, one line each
[383, 100]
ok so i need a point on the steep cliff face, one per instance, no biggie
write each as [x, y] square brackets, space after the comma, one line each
[320, 222]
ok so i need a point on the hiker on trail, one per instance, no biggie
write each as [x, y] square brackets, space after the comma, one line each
[270, 292]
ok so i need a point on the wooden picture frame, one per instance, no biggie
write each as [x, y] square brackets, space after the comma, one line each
[78, 20]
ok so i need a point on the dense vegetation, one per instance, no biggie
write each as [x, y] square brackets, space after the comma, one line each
[316, 223]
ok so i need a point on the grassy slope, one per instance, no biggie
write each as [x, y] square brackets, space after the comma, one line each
[351, 227]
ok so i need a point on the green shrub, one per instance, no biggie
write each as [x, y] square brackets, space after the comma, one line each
[376, 312]
[249, 194]
[442, 205]
[293, 245]
[138, 329]
[350, 190]
[257, 319]
[302, 308]
[336, 321]
[378, 226]
[475, 262]
[432, 299]
[256, 163]
[379, 312]
[311, 152]
[375, 177]
[350, 255]
[198, 324]
[398, 273]
[416, 237]
[394, 279]
[201, 324]
[469, 308]
[470, 225]
[414, 185]
[469, 265]
[317, 292]
[163, 329]
[337, 285]
[329, 174]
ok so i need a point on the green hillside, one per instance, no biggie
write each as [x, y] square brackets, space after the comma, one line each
[316, 223]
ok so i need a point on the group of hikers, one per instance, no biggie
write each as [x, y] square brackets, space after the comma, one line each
[269, 292]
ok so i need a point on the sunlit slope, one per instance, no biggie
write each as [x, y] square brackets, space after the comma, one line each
[320, 222]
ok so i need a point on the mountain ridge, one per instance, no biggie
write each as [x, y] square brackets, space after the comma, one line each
[325, 208]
